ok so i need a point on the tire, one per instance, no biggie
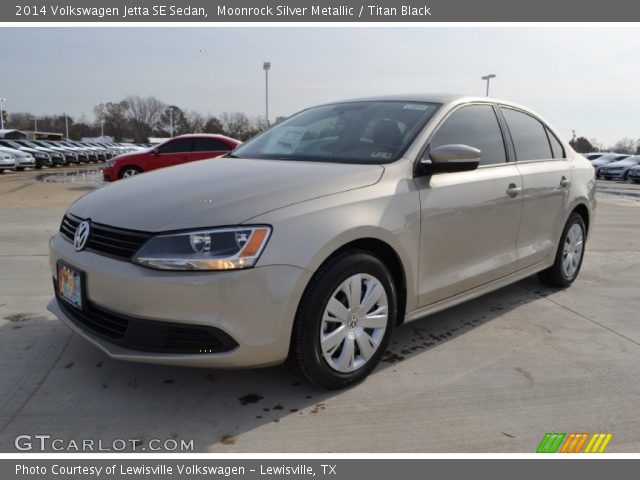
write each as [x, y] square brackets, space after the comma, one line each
[357, 331]
[20, 169]
[566, 267]
[625, 177]
[129, 171]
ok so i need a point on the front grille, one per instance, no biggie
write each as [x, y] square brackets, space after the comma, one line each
[112, 241]
[147, 335]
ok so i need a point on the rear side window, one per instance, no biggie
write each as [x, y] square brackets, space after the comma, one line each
[210, 145]
[176, 146]
[556, 146]
[529, 136]
[475, 126]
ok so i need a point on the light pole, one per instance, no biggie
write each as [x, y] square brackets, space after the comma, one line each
[102, 128]
[2, 100]
[66, 126]
[35, 124]
[488, 79]
[266, 66]
[171, 119]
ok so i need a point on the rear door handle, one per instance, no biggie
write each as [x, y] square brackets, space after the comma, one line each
[564, 183]
[513, 190]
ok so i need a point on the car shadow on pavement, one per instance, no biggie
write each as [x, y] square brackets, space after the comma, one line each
[67, 388]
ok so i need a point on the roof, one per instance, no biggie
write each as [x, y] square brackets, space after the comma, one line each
[442, 98]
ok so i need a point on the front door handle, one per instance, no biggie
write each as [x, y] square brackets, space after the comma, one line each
[513, 190]
[564, 183]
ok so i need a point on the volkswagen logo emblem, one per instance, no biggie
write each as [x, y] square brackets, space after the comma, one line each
[82, 235]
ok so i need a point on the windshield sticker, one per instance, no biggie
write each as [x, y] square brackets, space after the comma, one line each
[415, 106]
[285, 141]
[384, 155]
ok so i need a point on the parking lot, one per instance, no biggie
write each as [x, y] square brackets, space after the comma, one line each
[492, 375]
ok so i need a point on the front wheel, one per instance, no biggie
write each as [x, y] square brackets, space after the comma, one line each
[127, 172]
[569, 256]
[344, 320]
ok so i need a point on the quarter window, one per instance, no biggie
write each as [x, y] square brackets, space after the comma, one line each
[475, 126]
[556, 146]
[529, 136]
[210, 145]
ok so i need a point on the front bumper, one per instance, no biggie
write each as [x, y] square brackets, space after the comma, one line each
[612, 175]
[255, 307]
[634, 174]
[44, 162]
[108, 174]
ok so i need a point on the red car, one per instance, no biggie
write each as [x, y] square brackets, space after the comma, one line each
[181, 149]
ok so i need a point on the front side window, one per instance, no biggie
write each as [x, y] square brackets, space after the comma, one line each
[476, 126]
[178, 145]
[356, 132]
[529, 136]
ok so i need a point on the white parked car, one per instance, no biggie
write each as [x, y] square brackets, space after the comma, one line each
[22, 159]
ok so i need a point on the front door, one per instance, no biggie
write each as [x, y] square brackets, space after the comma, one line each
[469, 220]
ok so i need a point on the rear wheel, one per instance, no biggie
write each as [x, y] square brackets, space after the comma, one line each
[130, 171]
[344, 321]
[20, 169]
[569, 256]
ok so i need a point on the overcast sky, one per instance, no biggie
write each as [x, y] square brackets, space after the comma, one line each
[582, 79]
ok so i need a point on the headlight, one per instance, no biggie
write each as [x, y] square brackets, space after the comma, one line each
[109, 163]
[41, 155]
[219, 249]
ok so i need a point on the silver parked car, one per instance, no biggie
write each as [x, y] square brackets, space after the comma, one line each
[22, 159]
[606, 159]
[619, 170]
[7, 161]
[314, 240]
[634, 174]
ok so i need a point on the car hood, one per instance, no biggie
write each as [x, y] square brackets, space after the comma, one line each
[128, 155]
[598, 162]
[220, 192]
[622, 163]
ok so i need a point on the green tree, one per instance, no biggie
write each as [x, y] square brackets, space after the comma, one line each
[213, 125]
[180, 123]
[581, 145]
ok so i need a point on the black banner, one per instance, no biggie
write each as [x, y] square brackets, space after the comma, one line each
[319, 11]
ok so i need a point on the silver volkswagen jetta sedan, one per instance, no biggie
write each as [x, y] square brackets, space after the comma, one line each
[312, 241]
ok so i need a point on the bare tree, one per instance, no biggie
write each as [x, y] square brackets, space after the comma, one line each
[195, 121]
[626, 145]
[144, 115]
[114, 115]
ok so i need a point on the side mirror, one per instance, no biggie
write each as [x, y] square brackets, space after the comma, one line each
[155, 151]
[450, 158]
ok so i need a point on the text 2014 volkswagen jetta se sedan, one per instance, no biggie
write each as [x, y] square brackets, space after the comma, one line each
[312, 241]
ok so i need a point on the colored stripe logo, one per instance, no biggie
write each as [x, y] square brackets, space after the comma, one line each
[574, 442]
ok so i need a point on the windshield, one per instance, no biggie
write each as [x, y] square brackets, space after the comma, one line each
[356, 132]
[13, 144]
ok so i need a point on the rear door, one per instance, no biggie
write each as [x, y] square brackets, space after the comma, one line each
[204, 147]
[546, 177]
[469, 220]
